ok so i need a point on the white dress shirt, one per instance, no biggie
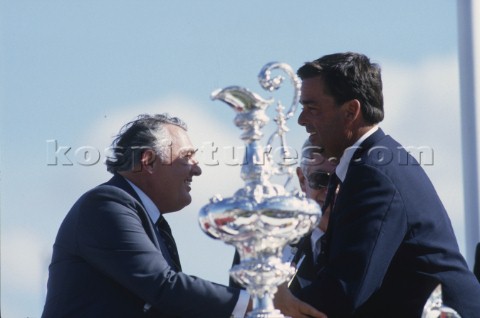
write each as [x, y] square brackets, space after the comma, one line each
[342, 167]
[315, 241]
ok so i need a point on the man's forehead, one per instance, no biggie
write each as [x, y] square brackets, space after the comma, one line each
[315, 160]
[308, 151]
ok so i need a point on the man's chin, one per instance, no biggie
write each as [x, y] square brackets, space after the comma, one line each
[187, 200]
[182, 203]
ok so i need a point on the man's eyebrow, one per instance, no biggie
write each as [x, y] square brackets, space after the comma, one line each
[189, 150]
[306, 101]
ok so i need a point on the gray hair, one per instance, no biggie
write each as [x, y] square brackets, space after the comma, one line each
[145, 132]
[308, 151]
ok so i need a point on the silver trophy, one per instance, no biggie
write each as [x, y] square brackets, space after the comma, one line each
[261, 218]
[434, 307]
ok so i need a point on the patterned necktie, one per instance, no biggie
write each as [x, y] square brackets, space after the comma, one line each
[167, 237]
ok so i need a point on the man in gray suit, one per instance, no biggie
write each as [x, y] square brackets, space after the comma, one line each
[115, 256]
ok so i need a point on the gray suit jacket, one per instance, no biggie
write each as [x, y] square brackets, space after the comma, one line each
[108, 262]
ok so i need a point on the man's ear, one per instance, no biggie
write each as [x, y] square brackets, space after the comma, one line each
[352, 110]
[147, 159]
[301, 179]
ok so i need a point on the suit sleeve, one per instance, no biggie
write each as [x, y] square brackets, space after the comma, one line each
[111, 237]
[365, 230]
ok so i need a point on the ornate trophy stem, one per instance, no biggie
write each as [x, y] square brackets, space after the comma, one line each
[434, 307]
[261, 218]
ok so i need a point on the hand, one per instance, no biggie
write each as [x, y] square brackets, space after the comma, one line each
[293, 307]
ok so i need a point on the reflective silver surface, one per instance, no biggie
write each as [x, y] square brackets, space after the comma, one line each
[434, 307]
[262, 217]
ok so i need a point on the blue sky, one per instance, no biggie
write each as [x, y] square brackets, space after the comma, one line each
[73, 72]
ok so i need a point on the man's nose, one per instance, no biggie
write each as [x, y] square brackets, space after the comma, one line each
[301, 118]
[196, 170]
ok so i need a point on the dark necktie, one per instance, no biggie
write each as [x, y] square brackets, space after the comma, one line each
[331, 191]
[167, 237]
[329, 203]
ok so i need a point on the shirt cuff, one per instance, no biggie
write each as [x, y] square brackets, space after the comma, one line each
[241, 307]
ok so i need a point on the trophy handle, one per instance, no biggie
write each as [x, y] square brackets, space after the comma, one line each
[270, 84]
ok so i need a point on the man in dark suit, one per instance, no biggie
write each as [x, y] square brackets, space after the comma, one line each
[389, 240]
[313, 176]
[115, 256]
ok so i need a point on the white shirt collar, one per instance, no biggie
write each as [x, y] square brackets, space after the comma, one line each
[317, 233]
[342, 167]
[151, 208]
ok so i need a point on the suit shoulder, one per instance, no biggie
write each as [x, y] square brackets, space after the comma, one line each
[107, 191]
[387, 152]
[105, 197]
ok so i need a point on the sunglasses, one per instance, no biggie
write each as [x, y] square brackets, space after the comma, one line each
[318, 180]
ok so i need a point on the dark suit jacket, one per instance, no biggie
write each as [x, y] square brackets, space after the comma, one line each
[389, 242]
[476, 267]
[306, 267]
[108, 262]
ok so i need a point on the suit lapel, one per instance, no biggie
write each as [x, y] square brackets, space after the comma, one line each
[366, 145]
[150, 228]
[305, 265]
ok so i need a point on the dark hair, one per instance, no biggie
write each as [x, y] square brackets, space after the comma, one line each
[350, 76]
[145, 132]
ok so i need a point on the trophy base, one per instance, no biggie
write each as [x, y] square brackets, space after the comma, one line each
[265, 314]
